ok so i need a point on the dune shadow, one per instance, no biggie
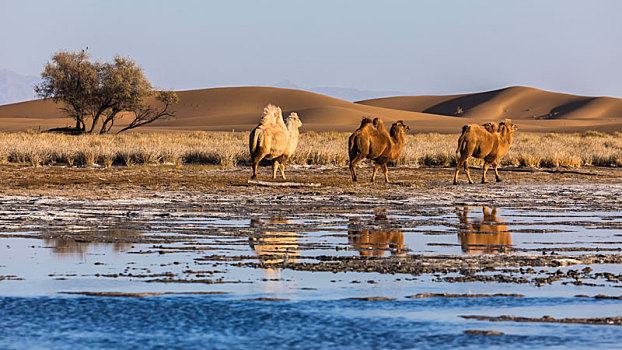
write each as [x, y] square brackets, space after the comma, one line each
[559, 111]
[464, 103]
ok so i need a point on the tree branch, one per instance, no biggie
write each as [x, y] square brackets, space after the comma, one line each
[147, 115]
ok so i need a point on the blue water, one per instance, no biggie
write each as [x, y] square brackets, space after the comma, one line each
[35, 314]
[222, 322]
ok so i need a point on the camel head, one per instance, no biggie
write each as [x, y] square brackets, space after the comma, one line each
[293, 120]
[507, 125]
[399, 126]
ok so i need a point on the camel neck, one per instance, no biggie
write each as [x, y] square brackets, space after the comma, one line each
[398, 143]
[398, 138]
[291, 128]
[506, 136]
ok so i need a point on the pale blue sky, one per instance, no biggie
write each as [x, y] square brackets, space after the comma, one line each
[420, 47]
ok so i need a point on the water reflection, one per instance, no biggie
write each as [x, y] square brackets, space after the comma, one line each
[89, 241]
[483, 236]
[274, 247]
[376, 243]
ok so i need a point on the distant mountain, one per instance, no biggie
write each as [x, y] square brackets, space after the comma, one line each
[15, 87]
[348, 94]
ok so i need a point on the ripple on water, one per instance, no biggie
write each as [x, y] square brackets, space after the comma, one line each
[217, 322]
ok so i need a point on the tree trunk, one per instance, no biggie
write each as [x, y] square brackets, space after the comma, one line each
[108, 122]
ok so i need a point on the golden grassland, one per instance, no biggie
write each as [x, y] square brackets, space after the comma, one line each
[227, 149]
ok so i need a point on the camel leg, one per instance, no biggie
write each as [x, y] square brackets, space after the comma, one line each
[463, 215]
[458, 165]
[353, 171]
[275, 166]
[353, 163]
[468, 171]
[282, 167]
[495, 166]
[373, 175]
[385, 169]
[486, 165]
[254, 166]
[462, 162]
[486, 212]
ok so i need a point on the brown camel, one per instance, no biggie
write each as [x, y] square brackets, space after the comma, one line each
[487, 235]
[372, 141]
[477, 141]
[274, 139]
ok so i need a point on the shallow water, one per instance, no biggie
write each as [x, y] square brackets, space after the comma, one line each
[48, 247]
[221, 322]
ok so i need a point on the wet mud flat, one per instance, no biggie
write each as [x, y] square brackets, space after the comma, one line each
[407, 227]
[550, 239]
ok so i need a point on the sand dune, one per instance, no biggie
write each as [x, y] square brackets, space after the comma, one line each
[239, 108]
[518, 102]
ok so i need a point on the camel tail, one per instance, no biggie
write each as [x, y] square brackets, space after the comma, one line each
[461, 140]
[254, 140]
[351, 150]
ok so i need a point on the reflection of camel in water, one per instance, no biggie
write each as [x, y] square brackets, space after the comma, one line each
[375, 243]
[275, 247]
[485, 235]
[68, 246]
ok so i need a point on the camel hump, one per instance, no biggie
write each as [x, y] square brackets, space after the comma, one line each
[379, 124]
[365, 121]
[491, 127]
[270, 115]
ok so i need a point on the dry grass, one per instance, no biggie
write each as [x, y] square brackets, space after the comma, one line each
[228, 150]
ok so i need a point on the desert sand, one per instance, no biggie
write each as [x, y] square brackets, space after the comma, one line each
[239, 108]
